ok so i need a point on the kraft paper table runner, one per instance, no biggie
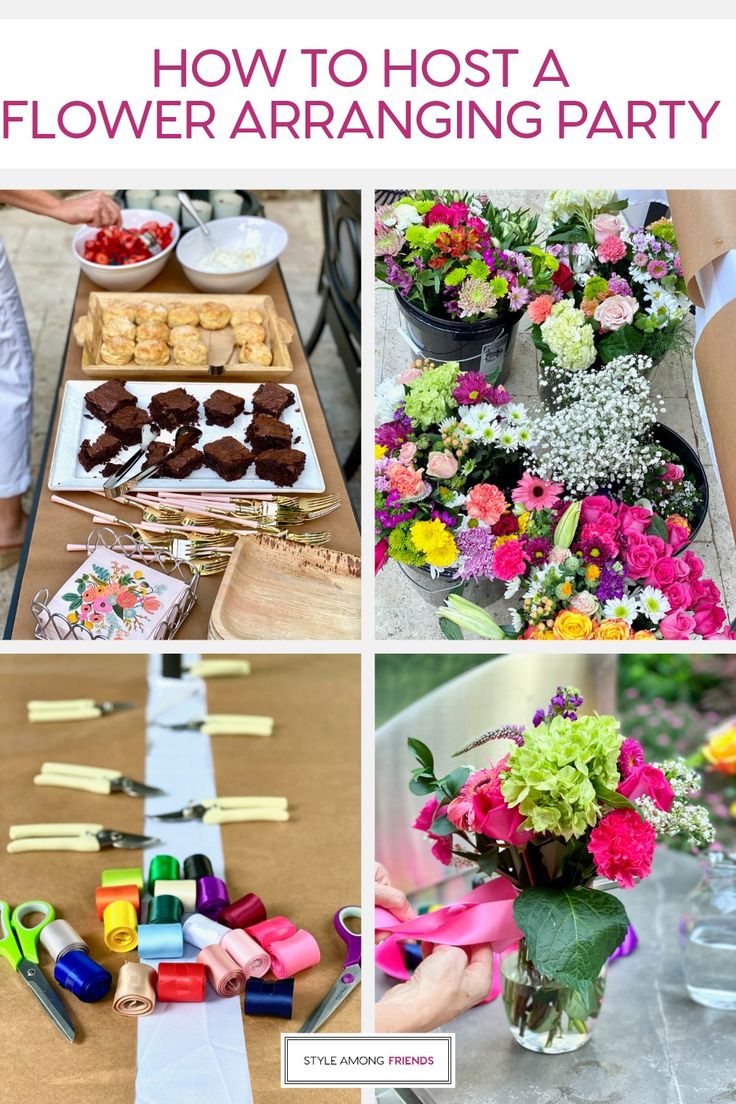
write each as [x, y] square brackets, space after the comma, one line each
[308, 870]
[49, 564]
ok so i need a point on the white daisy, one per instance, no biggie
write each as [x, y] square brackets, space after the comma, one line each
[515, 413]
[388, 396]
[480, 414]
[653, 604]
[508, 440]
[621, 609]
[525, 437]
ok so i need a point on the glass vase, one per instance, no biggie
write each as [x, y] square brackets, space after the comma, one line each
[708, 934]
[543, 1015]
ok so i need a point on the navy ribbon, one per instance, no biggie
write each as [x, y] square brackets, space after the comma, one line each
[269, 998]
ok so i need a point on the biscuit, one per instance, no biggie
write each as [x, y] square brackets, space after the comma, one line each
[117, 309]
[153, 329]
[214, 316]
[152, 352]
[256, 354]
[190, 353]
[240, 317]
[118, 326]
[249, 333]
[180, 334]
[148, 311]
[117, 350]
[183, 314]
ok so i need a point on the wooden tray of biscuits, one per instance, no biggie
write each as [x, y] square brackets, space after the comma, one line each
[186, 336]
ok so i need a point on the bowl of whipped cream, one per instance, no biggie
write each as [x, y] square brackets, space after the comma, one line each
[238, 257]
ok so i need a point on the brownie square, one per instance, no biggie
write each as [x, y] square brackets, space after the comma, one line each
[126, 424]
[227, 458]
[108, 398]
[93, 453]
[265, 432]
[170, 409]
[156, 451]
[273, 399]
[280, 466]
[182, 463]
[222, 408]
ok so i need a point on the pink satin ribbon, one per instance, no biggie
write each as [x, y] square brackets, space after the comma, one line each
[485, 915]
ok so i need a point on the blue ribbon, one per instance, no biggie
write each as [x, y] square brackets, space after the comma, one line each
[157, 941]
[269, 998]
[82, 976]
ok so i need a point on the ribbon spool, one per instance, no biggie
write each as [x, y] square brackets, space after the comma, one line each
[160, 941]
[269, 998]
[58, 937]
[244, 913]
[268, 931]
[212, 896]
[181, 981]
[291, 956]
[185, 890]
[162, 868]
[165, 909]
[121, 927]
[197, 866]
[248, 954]
[135, 994]
[132, 875]
[202, 932]
[224, 975]
[105, 895]
[82, 976]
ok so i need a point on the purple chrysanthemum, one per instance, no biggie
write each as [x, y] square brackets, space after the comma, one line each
[393, 434]
[472, 388]
[537, 549]
[597, 547]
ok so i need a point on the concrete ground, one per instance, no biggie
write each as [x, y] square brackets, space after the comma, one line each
[402, 613]
[40, 252]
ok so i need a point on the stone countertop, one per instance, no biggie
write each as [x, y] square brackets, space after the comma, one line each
[651, 1044]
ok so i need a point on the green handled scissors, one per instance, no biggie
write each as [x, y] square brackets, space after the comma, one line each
[19, 945]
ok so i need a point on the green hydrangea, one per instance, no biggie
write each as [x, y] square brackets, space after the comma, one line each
[553, 778]
[429, 398]
[402, 548]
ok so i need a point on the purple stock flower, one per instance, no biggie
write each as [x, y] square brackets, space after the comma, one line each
[397, 277]
[610, 584]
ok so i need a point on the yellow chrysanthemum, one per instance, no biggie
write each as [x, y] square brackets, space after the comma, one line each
[435, 541]
[379, 451]
[503, 540]
[524, 521]
[592, 572]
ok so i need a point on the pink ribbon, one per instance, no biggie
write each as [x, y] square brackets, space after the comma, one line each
[484, 915]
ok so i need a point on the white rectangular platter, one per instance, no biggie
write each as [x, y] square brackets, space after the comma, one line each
[76, 425]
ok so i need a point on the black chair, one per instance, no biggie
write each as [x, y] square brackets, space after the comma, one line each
[339, 289]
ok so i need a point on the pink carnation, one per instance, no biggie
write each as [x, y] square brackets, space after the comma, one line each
[485, 502]
[406, 481]
[622, 845]
[611, 249]
[540, 308]
[509, 560]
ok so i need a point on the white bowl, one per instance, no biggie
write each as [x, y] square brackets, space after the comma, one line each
[230, 233]
[125, 277]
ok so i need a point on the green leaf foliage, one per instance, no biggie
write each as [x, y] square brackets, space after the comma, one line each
[570, 933]
[658, 528]
[627, 341]
[450, 630]
[423, 754]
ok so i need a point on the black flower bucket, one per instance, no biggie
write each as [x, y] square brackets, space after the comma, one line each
[486, 346]
[676, 444]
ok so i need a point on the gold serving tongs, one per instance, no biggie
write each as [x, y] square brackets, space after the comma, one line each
[127, 478]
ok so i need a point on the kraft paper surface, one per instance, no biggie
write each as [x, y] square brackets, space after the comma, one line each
[49, 564]
[306, 868]
[705, 223]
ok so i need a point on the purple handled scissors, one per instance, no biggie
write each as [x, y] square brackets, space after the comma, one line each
[349, 978]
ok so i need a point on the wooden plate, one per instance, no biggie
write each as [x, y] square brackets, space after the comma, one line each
[273, 589]
[220, 343]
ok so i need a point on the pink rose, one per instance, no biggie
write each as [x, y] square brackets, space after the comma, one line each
[679, 596]
[407, 452]
[648, 781]
[705, 590]
[672, 473]
[678, 536]
[633, 519]
[663, 573]
[441, 465]
[708, 619]
[442, 849]
[408, 376]
[595, 506]
[694, 565]
[677, 625]
[616, 311]
[607, 226]
[495, 819]
[639, 559]
[424, 821]
[126, 599]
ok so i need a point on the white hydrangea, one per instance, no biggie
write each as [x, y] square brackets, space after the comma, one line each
[389, 394]
[562, 204]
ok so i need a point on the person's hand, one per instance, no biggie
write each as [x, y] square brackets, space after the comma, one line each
[94, 209]
[449, 981]
[390, 898]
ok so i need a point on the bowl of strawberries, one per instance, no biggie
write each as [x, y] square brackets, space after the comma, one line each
[127, 257]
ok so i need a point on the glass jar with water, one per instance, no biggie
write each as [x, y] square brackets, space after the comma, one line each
[708, 934]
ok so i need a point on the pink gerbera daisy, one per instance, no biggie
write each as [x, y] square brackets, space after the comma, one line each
[535, 493]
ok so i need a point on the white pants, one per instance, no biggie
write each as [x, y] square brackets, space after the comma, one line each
[16, 387]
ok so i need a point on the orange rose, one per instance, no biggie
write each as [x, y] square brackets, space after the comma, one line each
[720, 751]
[644, 634]
[615, 628]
